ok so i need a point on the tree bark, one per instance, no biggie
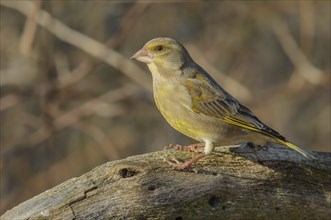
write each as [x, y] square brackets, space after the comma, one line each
[234, 182]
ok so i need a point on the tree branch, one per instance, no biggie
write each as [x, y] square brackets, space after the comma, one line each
[233, 183]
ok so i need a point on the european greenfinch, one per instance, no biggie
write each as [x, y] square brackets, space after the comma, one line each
[195, 105]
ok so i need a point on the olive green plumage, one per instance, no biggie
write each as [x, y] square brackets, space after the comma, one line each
[195, 105]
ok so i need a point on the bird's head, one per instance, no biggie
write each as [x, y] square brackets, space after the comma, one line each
[165, 53]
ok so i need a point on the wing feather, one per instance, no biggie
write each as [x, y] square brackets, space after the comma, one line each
[216, 102]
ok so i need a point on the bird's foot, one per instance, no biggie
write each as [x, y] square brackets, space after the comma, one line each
[177, 165]
[190, 148]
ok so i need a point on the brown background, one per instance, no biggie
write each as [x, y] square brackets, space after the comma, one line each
[273, 56]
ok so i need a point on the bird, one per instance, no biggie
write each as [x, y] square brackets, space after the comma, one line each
[194, 104]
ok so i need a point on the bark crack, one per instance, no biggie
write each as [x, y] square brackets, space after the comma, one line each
[81, 198]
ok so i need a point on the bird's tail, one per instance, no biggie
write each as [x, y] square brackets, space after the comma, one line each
[296, 148]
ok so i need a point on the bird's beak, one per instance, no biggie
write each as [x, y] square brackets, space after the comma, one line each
[143, 56]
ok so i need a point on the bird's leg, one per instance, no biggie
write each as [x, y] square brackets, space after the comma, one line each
[209, 147]
[191, 147]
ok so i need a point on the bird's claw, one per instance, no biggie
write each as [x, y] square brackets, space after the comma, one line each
[177, 165]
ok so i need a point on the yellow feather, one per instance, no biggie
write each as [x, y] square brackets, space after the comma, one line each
[245, 125]
[292, 146]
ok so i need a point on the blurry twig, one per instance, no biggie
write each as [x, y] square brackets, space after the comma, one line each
[83, 42]
[307, 25]
[65, 80]
[240, 91]
[73, 116]
[28, 119]
[9, 101]
[304, 68]
[77, 74]
[89, 129]
[100, 137]
[84, 67]
[30, 28]
[127, 22]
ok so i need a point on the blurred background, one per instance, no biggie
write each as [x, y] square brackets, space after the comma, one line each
[71, 99]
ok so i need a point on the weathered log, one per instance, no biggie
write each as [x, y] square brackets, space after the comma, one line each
[232, 183]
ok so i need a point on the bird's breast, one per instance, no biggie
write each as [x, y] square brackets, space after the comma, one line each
[175, 104]
[172, 99]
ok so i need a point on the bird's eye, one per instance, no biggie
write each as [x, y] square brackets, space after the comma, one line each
[159, 48]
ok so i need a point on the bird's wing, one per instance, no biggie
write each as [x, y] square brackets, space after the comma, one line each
[210, 99]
